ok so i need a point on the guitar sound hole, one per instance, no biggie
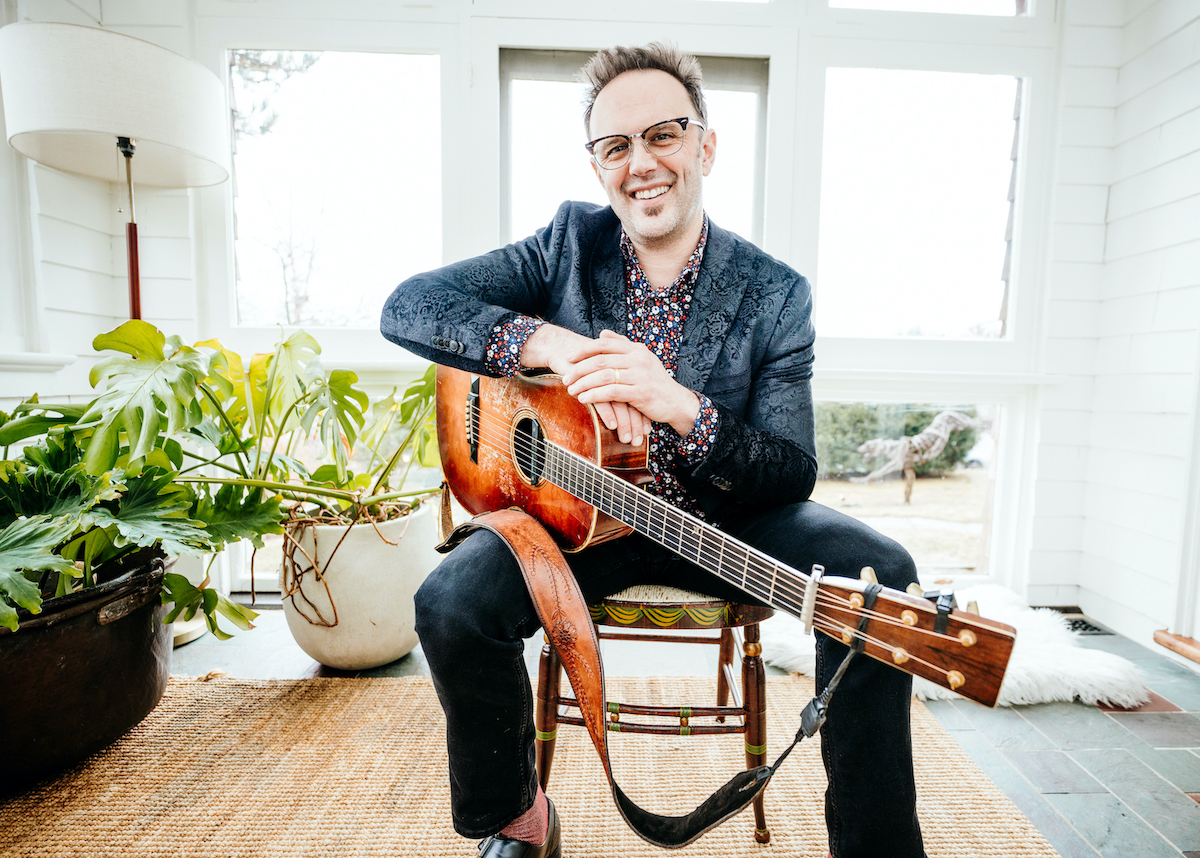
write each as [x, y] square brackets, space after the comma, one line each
[529, 450]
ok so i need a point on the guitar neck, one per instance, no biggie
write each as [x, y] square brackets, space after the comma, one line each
[690, 537]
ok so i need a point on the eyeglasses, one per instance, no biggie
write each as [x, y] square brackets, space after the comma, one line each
[662, 139]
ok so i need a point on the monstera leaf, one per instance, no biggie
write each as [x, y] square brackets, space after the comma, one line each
[337, 410]
[28, 544]
[158, 380]
[243, 393]
[292, 367]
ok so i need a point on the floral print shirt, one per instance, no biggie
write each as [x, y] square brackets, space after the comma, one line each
[655, 318]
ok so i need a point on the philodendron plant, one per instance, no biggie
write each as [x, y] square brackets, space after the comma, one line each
[187, 450]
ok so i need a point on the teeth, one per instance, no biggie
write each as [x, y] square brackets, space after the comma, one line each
[651, 193]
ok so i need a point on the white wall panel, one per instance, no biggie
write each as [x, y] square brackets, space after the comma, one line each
[1158, 228]
[1151, 21]
[1075, 242]
[1165, 101]
[1175, 53]
[1082, 203]
[1084, 165]
[1160, 184]
[1092, 46]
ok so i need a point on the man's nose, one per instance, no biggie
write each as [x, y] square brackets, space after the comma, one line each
[640, 159]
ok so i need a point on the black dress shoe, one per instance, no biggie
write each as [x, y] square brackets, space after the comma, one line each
[499, 846]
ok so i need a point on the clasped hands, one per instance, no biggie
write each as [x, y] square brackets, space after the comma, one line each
[623, 380]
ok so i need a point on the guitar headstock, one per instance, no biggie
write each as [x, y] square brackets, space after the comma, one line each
[957, 650]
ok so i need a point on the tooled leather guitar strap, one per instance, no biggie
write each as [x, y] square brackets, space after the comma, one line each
[564, 614]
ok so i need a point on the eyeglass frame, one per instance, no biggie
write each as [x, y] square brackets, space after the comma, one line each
[685, 121]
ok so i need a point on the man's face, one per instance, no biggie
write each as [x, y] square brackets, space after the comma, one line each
[658, 199]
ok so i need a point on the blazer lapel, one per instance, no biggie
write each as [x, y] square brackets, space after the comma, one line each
[607, 284]
[715, 305]
[604, 276]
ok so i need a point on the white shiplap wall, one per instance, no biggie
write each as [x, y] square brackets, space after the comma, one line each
[1088, 60]
[1148, 328]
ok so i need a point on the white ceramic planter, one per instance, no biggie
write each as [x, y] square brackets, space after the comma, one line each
[370, 586]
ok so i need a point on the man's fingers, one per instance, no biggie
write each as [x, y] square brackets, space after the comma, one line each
[607, 414]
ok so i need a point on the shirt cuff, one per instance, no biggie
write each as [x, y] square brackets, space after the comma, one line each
[694, 446]
[503, 353]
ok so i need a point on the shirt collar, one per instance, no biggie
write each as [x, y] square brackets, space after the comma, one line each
[690, 271]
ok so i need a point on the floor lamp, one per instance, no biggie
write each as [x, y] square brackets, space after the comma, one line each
[86, 100]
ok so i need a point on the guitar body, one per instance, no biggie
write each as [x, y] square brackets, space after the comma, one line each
[490, 478]
[525, 442]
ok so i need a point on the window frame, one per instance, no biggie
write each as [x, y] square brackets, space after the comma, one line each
[800, 39]
[561, 66]
[373, 357]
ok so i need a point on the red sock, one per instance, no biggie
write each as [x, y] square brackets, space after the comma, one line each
[530, 826]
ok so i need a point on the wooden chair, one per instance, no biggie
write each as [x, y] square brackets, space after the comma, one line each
[670, 611]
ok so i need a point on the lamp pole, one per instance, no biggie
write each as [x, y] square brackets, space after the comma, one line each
[126, 147]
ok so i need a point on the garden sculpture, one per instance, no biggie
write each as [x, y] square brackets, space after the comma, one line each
[904, 454]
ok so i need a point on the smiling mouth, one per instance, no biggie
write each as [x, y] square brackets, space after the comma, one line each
[651, 193]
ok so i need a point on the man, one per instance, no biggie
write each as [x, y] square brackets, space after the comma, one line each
[689, 339]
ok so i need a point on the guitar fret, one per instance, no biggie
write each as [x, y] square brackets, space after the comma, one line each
[674, 529]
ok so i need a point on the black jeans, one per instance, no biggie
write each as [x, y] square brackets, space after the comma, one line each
[473, 613]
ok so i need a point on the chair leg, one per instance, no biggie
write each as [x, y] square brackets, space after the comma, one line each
[545, 719]
[725, 659]
[754, 697]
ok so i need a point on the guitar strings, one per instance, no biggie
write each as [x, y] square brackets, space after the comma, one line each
[533, 447]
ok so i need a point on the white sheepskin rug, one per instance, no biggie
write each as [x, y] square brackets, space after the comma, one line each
[1047, 663]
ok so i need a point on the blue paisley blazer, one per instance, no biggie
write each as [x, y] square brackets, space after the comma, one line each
[747, 343]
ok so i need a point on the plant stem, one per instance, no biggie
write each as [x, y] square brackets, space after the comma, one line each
[274, 486]
[278, 435]
[374, 499]
[229, 425]
[387, 469]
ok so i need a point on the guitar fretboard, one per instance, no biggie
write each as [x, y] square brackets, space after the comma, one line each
[681, 532]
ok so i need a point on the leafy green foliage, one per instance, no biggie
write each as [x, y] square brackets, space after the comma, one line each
[189, 599]
[36, 420]
[158, 380]
[189, 448]
[154, 511]
[28, 546]
[232, 514]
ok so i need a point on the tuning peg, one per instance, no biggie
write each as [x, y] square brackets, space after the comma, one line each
[868, 574]
[973, 608]
[915, 589]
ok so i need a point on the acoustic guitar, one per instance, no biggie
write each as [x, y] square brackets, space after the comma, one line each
[526, 442]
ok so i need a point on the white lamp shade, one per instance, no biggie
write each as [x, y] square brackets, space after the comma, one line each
[70, 91]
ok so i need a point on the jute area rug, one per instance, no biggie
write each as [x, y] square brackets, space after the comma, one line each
[356, 767]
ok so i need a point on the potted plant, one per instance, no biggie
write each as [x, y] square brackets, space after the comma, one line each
[185, 450]
[346, 579]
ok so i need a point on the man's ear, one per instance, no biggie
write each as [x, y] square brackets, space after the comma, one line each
[708, 150]
[596, 170]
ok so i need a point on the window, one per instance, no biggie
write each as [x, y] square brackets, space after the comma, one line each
[958, 7]
[943, 518]
[337, 169]
[916, 186]
[542, 136]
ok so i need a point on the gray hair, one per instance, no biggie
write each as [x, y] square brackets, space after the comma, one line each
[608, 63]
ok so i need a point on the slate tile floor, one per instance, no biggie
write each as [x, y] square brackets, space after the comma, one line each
[1098, 783]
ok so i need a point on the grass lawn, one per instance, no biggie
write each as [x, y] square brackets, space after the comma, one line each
[942, 528]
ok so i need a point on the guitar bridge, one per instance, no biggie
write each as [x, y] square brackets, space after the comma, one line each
[471, 415]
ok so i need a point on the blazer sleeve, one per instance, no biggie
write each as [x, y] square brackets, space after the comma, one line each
[448, 314]
[765, 453]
